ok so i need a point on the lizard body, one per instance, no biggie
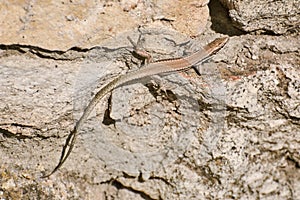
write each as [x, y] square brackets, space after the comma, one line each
[158, 67]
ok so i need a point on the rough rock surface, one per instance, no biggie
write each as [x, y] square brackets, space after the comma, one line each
[231, 133]
[61, 25]
[267, 16]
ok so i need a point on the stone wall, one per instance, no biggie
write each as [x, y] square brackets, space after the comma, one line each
[232, 132]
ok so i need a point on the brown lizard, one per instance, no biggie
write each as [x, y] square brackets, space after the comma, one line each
[153, 68]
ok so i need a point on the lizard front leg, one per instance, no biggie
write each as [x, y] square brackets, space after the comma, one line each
[139, 51]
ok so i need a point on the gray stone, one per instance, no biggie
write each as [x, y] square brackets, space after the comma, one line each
[231, 133]
[266, 16]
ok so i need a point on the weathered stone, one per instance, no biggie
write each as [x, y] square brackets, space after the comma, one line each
[189, 17]
[61, 25]
[231, 133]
[265, 16]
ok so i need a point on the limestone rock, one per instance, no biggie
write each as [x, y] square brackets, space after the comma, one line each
[266, 16]
[62, 25]
[231, 133]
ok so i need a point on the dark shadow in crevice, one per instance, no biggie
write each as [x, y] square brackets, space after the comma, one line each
[107, 120]
[221, 22]
[120, 186]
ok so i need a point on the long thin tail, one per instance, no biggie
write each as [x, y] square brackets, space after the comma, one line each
[70, 141]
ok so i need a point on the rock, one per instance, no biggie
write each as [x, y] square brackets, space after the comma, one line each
[266, 16]
[61, 25]
[231, 133]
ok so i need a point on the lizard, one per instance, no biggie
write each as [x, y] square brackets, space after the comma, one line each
[151, 68]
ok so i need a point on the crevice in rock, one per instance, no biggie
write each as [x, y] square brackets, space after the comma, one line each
[120, 186]
[221, 22]
[74, 53]
[163, 180]
[20, 48]
[20, 136]
[294, 161]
